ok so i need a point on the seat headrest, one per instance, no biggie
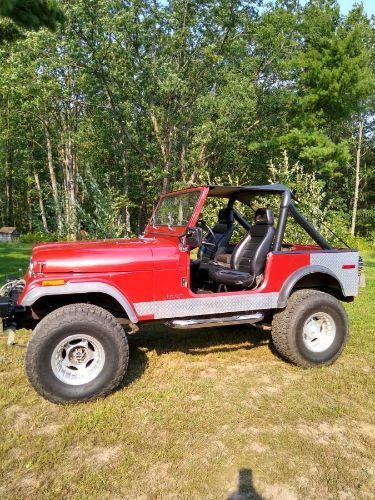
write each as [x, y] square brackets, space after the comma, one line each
[264, 216]
[225, 216]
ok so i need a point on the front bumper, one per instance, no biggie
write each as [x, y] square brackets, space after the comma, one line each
[10, 311]
[6, 307]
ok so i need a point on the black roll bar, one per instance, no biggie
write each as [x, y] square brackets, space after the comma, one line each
[241, 220]
[309, 228]
[286, 208]
[283, 216]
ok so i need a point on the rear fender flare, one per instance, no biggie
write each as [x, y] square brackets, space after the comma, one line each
[87, 287]
[289, 284]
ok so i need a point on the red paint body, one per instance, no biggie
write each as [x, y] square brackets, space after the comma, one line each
[150, 268]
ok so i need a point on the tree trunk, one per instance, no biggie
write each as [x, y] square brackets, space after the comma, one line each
[357, 172]
[125, 170]
[66, 154]
[41, 204]
[142, 215]
[124, 161]
[165, 147]
[52, 175]
[70, 201]
[29, 204]
[9, 183]
[2, 211]
[126, 193]
[9, 170]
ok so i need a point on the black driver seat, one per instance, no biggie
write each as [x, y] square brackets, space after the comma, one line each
[222, 231]
[249, 256]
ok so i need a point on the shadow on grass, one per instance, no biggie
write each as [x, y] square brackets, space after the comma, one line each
[246, 490]
[137, 366]
[197, 342]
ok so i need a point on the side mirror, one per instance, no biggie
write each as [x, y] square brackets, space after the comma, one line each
[194, 236]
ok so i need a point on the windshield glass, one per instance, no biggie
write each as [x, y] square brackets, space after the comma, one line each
[176, 210]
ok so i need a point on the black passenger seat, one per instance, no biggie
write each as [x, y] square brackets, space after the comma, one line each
[248, 259]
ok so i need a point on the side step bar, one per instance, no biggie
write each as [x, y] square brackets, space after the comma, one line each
[208, 322]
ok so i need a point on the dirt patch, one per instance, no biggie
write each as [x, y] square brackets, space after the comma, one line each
[279, 492]
[209, 373]
[25, 486]
[96, 457]
[242, 368]
[49, 429]
[292, 377]
[30, 481]
[247, 430]
[346, 495]
[256, 447]
[112, 496]
[259, 392]
[368, 369]
[271, 389]
[160, 472]
[303, 481]
[20, 418]
[216, 448]
[265, 380]
[367, 429]
[159, 482]
[196, 397]
[324, 433]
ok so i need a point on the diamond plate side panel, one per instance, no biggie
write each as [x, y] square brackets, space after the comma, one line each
[334, 262]
[179, 308]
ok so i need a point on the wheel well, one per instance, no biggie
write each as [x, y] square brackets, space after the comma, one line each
[46, 304]
[321, 281]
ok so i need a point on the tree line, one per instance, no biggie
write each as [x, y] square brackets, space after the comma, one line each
[122, 100]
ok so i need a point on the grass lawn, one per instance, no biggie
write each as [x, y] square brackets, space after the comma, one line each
[205, 414]
[14, 259]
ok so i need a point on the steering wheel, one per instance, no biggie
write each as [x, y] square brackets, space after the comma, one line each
[213, 246]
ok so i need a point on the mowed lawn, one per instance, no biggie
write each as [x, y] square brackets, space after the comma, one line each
[14, 259]
[204, 414]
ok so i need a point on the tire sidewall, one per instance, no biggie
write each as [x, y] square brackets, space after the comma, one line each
[56, 334]
[324, 304]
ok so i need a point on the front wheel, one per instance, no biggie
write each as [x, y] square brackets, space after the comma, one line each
[76, 353]
[312, 330]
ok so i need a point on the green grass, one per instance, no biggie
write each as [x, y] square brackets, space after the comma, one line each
[14, 259]
[201, 414]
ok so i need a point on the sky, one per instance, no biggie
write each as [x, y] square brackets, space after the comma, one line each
[346, 5]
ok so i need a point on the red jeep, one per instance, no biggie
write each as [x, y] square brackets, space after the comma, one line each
[77, 295]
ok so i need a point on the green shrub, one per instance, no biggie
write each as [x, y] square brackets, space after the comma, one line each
[38, 237]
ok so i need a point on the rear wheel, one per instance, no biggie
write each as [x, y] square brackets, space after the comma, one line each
[312, 330]
[77, 353]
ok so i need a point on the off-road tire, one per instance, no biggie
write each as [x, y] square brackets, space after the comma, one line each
[83, 319]
[287, 328]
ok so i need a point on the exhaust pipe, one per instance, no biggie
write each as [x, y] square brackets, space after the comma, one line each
[209, 322]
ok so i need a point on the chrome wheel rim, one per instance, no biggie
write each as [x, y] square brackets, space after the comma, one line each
[78, 359]
[319, 332]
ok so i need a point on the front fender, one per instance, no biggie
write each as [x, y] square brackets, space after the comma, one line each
[69, 288]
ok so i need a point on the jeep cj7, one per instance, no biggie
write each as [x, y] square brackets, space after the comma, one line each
[75, 296]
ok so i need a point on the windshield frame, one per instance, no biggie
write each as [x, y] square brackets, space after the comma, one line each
[177, 230]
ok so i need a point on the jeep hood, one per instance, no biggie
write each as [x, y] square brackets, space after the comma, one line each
[104, 256]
